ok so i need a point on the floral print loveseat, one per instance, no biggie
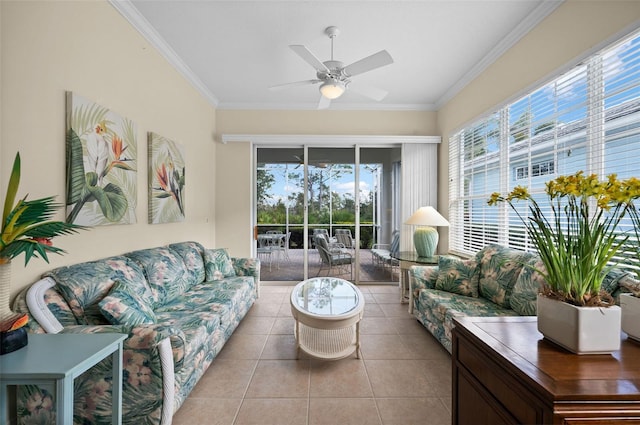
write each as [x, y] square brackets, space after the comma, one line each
[178, 304]
[498, 281]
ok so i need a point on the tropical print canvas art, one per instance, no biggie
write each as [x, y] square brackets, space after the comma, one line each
[166, 180]
[101, 165]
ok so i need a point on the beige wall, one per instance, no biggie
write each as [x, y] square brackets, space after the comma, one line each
[234, 171]
[89, 48]
[573, 29]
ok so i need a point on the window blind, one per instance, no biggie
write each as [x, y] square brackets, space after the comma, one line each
[586, 119]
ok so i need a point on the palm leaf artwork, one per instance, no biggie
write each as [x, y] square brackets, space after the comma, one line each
[101, 165]
[166, 180]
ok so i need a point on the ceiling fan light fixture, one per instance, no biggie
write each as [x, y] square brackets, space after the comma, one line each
[332, 89]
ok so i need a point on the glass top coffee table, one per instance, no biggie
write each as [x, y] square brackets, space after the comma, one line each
[327, 313]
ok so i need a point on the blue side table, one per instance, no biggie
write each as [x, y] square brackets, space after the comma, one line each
[59, 359]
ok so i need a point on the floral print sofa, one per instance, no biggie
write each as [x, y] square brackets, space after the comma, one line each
[498, 281]
[178, 304]
[487, 285]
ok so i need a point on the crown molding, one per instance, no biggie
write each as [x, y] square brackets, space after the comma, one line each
[543, 10]
[326, 140]
[335, 106]
[140, 23]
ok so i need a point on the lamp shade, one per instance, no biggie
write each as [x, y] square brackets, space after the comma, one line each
[425, 237]
[427, 216]
[332, 89]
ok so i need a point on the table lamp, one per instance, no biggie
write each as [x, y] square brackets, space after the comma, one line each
[425, 237]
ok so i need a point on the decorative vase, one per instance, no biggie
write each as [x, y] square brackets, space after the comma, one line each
[5, 290]
[630, 306]
[425, 240]
[581, 330]
[10, 339]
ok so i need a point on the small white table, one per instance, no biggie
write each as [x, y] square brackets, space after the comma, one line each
[59, 359]
[327, 313]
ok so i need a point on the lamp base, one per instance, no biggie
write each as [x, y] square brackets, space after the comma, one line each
[425, 239]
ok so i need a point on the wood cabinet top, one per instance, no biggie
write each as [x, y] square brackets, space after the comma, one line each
[515, 344]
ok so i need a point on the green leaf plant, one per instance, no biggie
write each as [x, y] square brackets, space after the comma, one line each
[25, 224]
[579, 240]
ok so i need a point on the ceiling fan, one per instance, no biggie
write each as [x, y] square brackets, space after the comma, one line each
[334, 78]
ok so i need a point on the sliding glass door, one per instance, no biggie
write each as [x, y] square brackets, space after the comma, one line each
[347, 194]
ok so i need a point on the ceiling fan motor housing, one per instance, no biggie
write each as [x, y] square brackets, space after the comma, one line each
[335, 72]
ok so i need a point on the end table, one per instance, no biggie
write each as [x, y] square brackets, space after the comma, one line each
[59, 359]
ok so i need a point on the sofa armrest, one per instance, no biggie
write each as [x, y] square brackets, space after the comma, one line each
[248, 267]
[423, 277]
[420, 277]
[140, 337]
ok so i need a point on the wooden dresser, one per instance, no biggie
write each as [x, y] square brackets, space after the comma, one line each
[504, 372]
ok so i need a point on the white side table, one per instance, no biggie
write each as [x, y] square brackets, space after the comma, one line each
[59, 359]
[327, 313]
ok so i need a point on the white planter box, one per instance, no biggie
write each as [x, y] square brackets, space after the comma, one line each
[630, 307]
[581, 330]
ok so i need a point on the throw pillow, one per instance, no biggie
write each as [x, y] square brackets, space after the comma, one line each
[458, 276]
[124, 306]
[217, 264]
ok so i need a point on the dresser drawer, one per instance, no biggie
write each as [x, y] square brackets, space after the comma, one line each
[506, 391]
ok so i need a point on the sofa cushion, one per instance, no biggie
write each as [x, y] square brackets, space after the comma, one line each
[84, 285]
[499, 268]
[125, 306]
[191, 253]
[435, 309]
[458, 276]
[524, 297]
[165, 271]
[218, 264]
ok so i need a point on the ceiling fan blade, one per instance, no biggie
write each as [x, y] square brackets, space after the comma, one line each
[309, 57]
[368, 91]
[324, 103]
[369, 63]
[294, 84]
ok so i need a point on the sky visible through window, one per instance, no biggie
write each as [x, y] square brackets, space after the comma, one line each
[287, 177]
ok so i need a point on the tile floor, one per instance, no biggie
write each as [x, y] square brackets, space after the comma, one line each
[403, 376]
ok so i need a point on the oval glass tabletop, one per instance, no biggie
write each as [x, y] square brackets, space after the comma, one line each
[326, 296]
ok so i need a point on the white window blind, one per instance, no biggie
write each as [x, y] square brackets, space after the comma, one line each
[586, 119]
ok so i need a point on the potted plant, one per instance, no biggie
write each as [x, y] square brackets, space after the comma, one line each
[576, 245]
[24, 229]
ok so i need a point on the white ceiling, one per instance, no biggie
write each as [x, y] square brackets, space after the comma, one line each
[233, 51]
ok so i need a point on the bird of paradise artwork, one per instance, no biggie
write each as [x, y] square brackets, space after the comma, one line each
[166, 180]
[101, 165]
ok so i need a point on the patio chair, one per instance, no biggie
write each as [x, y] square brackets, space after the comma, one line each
[344, 237]
[283, 246]
[336, 258]
[381, 253]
